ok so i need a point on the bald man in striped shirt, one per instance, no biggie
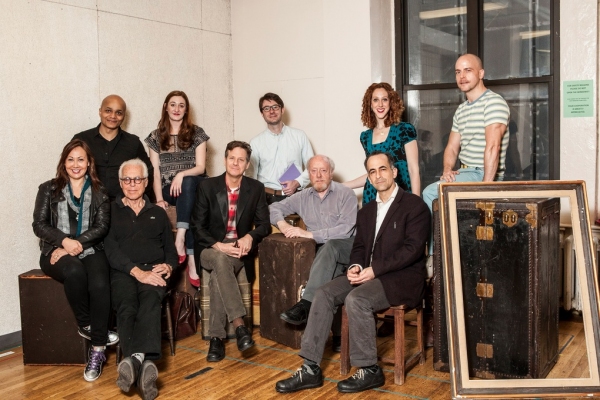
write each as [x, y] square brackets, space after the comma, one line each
[477, 137]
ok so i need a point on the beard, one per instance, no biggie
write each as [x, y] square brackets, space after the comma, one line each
[321, 186]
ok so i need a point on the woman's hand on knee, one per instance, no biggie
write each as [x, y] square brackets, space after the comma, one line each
[57, 254]
[176, 185]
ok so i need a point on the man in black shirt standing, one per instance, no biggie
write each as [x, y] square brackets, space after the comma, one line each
[111, 146]
[141, 251]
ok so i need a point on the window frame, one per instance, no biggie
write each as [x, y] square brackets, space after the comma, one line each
[474, 46]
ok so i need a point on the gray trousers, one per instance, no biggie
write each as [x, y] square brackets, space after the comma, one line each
[361, 302]
[329, 263]
[225, 297]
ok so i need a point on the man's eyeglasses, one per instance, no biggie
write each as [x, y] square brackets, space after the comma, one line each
[276, 107]
[137, 180]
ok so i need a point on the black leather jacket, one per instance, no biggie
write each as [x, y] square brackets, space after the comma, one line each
[45, 218]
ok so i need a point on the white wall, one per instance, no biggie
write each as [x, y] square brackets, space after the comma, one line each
[579, 61]
[59, 58]
[317, 55]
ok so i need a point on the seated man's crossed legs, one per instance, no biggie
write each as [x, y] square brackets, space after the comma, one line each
[226, 303]
[331, 260]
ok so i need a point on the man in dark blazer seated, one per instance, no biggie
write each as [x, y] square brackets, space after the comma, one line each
[387, 267]
[229, 220]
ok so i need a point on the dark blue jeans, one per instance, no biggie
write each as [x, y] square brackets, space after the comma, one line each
[185, 204]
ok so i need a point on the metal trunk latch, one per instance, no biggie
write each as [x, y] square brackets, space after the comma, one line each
[486, 231]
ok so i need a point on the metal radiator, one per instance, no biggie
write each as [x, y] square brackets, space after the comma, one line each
[571, 295]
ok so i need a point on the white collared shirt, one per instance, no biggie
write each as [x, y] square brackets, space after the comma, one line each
[272, 155]
[382, 208]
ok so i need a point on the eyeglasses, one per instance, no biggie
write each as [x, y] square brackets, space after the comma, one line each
[137, 180]
[276, 107]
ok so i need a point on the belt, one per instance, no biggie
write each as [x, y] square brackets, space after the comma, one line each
[274, 192]
[464, 166]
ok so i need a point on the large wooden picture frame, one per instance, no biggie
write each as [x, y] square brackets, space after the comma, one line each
[462, 385]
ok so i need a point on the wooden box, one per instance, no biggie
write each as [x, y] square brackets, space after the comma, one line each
[283, 272]
[48, 326]
[510, 275]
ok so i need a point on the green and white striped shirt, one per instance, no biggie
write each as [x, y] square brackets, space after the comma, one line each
[470, 121]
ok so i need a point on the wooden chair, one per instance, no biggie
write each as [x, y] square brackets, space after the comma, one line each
[400, 361]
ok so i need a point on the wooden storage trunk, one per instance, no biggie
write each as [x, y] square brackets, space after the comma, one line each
[284, 266]
[510, 274]
[48, 326]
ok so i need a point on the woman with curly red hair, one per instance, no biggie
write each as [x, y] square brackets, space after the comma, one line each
[178, 155]
[381, 112]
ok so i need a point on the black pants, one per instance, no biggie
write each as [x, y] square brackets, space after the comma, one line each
[272, 198]
[138, 308]
[87, 287]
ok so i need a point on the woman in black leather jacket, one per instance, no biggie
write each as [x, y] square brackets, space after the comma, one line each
[71, 218]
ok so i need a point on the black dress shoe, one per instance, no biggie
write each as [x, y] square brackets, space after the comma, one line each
[298, 314]
[302, 379]
[244, 338]
[363, 379]
[336, 344]
[216, 350]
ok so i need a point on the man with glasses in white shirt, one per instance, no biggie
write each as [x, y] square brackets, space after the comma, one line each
[276, 149]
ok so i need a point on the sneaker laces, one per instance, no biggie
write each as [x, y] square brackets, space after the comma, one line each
[298, 373]
[359, 374]
[96, 360]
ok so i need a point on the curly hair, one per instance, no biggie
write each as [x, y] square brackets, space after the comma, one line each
[62, 177]
[186, 131]
[396, 106]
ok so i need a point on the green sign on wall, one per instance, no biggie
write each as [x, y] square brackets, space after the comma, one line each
[578, 98]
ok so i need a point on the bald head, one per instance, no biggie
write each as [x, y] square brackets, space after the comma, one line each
[112, 113]
[469, 76]
[114, 98]
[472, 59]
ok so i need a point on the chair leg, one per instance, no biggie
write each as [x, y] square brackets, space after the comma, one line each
[345, 352]
[118, 349]
[170, 325]
[399, 347]
[420, 335]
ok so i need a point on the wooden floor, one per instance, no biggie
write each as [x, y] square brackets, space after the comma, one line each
[187, 375]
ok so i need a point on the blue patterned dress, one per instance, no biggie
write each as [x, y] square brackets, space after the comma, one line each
[399, 135]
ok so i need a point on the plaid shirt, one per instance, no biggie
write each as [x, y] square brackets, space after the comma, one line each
[232, 197]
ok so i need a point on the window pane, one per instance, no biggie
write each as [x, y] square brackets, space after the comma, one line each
[437, 32]
[431, 112]
[516, 38]
[528, 153]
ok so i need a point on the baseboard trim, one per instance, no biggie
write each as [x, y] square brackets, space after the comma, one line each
[10, 340]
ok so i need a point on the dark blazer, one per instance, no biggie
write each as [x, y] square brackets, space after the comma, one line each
[210, 214]
[399, 251]
[45, 219]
